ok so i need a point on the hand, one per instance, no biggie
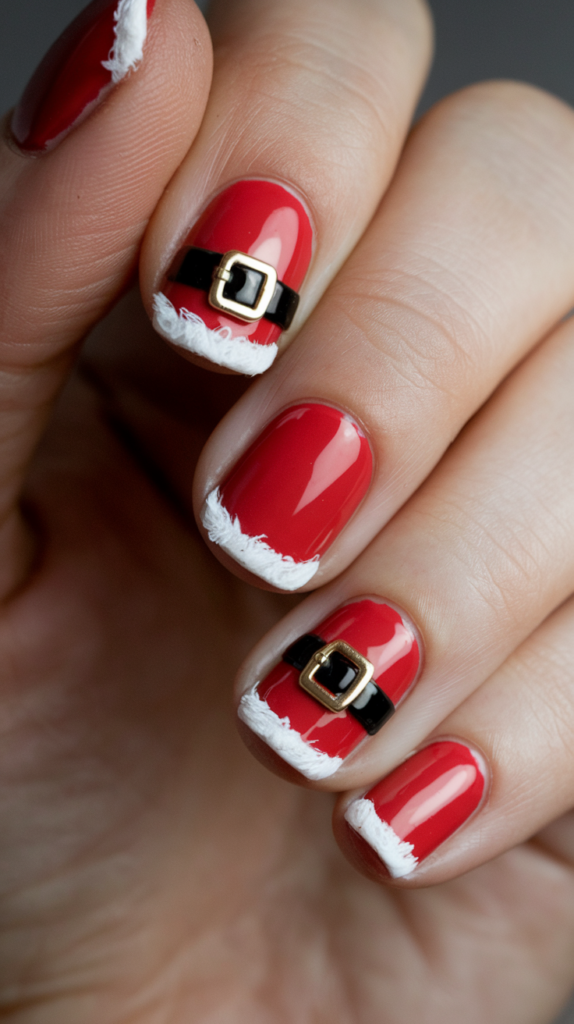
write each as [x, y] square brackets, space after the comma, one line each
[152, 870]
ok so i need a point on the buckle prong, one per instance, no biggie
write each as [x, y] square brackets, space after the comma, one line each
[222, 274]
[331, 701]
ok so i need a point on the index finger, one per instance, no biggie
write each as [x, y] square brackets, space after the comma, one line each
[308, 112]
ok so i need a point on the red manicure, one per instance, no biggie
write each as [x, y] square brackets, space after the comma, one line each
[419, 805]
[256, 218]
[312, 739]
[97, 50]
[291, 494]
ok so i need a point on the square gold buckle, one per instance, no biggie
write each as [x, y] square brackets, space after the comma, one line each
[222, 275]
[331, 701]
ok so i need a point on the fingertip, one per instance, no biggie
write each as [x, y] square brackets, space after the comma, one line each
[270, 759]
[355, 849]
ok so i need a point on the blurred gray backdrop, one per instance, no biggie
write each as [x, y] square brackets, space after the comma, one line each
[532, 40]
[528, 39]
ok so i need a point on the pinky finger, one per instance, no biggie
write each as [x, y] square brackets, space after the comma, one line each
[497, 771]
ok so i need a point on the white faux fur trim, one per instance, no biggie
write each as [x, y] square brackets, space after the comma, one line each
[396, 854]
[279, 735]
[130, 31]
[188, 330]
[252, 552]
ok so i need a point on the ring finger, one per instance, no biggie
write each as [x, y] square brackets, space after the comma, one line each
[478, 558]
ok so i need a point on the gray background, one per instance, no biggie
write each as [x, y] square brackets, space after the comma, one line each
[528, 39]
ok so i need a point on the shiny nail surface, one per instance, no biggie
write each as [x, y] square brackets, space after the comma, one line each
[308, 737]
[95, 52]
[291, 494]
[423, 802]
[264, 220]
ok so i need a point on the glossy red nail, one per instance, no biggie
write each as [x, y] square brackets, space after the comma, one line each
[261, 219]
[306, 735]
[406, 816]
[291, 494]
[97, 50]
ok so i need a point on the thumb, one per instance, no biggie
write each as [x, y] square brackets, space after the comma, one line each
[100, 130]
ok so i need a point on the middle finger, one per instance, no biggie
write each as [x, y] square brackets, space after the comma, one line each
[467, 264]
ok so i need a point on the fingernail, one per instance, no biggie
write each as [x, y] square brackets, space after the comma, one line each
[228, 310]
[95, 52]
[291, 494]
[407, 815]
[300, 726]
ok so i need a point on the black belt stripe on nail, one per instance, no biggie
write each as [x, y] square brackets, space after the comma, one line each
[197, 267]
[337, 675]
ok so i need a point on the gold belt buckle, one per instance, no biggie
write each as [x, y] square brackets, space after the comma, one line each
[222, 275]
[331, 701]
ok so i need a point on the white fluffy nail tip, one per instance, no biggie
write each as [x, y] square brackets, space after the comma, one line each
[130, 31]
[252, 552]
[279, 735]
[187, 330]
[394, 852]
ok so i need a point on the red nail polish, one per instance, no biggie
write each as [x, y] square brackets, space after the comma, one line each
[291, 494]
[260, 219]
[419, 805]
[312, 739]
[97, 50]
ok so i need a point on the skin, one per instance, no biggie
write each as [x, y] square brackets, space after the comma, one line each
[152, 871]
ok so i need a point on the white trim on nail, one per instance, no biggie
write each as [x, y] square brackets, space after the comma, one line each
[252, 552]
[284, 740]
[187, 330]
[130, 31]
[393, 851]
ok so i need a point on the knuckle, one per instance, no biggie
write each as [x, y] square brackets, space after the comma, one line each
[497, 554]
[518, 136]
[428, 337]
[333, 75]
[540, 666]
[489, 179]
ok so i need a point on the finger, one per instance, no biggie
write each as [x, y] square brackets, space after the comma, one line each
[521, 721]
[71, 220]
[467, 264]
[479, 557]
[309, 109]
